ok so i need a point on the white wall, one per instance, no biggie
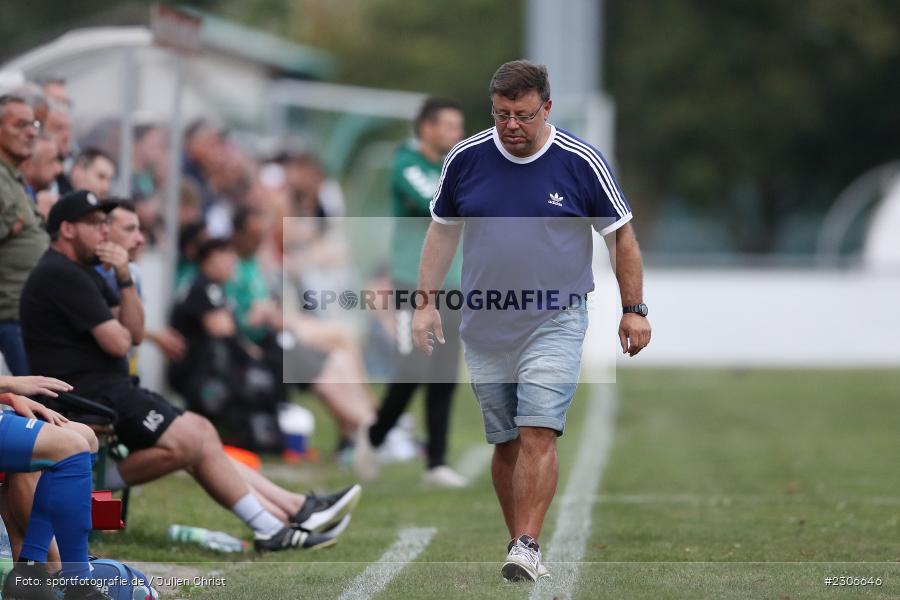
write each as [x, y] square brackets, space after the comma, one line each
[778, 318]
[881, 249]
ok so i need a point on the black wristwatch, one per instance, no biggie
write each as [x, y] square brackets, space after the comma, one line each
[127, 283]
[638, 309]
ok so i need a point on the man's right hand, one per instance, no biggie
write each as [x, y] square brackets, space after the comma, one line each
[426, 327]
[16, 228]
[115, 256]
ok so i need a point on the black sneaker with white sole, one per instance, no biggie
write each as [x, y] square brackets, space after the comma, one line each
[84, 591]
[523, 560]
[28, 580]
[321, 512]
[292, 536]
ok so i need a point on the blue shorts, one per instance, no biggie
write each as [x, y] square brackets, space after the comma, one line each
[17, 437]
[533, 385]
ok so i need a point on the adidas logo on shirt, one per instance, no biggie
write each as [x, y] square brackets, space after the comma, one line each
[555, 199]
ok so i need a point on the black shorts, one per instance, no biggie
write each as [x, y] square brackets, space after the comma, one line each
[143, 416]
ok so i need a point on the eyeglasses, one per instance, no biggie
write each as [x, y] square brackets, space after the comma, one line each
[521, 119]
[26, 124]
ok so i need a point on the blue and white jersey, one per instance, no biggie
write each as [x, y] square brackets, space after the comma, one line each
[527, 226]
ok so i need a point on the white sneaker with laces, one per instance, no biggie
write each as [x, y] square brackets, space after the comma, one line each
[444, 476]
[523, 560]
[365, 461]
[400, 444]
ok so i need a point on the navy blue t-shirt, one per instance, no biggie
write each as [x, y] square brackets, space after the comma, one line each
[527, 228]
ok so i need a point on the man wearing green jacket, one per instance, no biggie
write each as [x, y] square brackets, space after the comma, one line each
[414, 179]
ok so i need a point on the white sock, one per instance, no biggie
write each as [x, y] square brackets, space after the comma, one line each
[251, 512]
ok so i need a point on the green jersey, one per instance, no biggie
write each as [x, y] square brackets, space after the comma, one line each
[414, 180]
[246, 287]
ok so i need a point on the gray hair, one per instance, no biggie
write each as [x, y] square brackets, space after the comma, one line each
[9, 99]
[32, 94]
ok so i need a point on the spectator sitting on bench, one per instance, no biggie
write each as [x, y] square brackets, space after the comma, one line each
[125, 230]
[39, 441]
[75, 329]
[317, 354]
[215, 374]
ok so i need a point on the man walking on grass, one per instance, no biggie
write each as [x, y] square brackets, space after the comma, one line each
[528, 194]
[414, 178]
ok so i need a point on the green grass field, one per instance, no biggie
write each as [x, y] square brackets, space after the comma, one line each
[756, 484]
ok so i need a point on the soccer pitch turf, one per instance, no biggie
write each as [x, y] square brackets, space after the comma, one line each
[717, 484]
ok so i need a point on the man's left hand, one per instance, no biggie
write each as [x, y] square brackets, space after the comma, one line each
[115, 256]
[634, 333]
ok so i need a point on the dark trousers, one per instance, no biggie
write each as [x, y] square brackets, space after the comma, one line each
[437, 373]
[12, 348]
[438, 399]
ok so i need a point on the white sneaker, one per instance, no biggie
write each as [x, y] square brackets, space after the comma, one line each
[543, 572]
[365, 462]
[523, 561]
[400, 444]
[444, 476]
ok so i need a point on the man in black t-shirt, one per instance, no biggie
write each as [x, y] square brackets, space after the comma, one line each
[79, 329]
[73, 330]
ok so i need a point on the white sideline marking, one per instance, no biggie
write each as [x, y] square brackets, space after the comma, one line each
[474, 461]
[573, 524]
[714, 500]
[410, 543]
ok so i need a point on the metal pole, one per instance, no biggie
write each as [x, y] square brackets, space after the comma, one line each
[575, 64]
[173, 186]
[126, 135]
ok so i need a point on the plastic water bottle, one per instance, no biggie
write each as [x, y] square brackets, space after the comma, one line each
[213, 540]
[6, 559]
[297, 425]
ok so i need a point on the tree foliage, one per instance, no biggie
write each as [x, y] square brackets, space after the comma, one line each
[746, 110]
[442, 47]
[24, 25]
[786, 102]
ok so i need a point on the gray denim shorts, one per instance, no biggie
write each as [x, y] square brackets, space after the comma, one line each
[533, 385]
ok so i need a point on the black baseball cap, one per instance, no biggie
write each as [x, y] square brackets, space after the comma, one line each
[73, 206]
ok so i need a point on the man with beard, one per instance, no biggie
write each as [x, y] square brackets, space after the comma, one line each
[125, 230]
[75, 327]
